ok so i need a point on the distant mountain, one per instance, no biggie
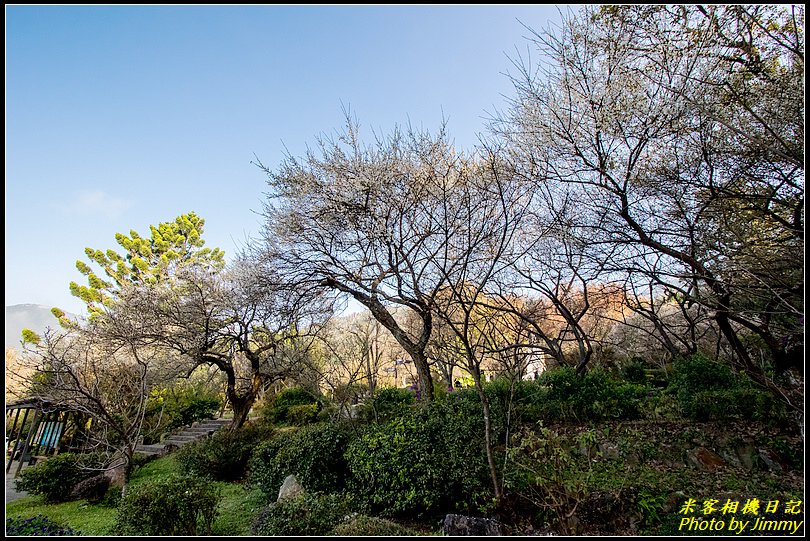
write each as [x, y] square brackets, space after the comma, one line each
[36, 317]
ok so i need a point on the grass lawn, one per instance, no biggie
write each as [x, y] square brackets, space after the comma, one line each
[236, 510]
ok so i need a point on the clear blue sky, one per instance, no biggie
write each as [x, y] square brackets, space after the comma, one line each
[121, 117]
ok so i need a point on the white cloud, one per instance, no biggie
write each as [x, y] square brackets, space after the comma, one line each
[98, 203]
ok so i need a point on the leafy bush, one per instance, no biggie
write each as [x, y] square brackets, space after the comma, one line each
[634, 371]
[303, 414]
[225, 455]
[38, 525]
[313, 453]
[389, 403]
[594, 396]
[55, 477]
[708, 390]
[363, 525]
[278, 412]
[172, 505]
[431, 460]
[307, 514]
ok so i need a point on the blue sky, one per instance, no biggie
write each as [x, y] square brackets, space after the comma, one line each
[122, 117]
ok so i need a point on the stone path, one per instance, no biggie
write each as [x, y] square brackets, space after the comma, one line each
[200, 430]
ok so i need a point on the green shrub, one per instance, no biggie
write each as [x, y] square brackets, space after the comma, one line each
[592, 397]
[302, 415]
[389, 403]
[225, 455]
[313, 453]
[55, 477]
[429, 461]
[362, 525]
[278, 411]
[172, 505]
[307, 514]
[634, 371]
[38, 525]
[707, 390]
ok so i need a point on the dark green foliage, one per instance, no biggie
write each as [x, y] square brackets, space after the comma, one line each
[314, 454]
[363, 525]
[307, 514]
[55, 477]
[225, 455]
[634, 371]
[173, 505]
[279, 411]
[38, 525]
[431, 460]
[592, 397]
[389, 403]
[707, 390]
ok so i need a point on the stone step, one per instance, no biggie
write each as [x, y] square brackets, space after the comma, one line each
[150, 450]
[185, 436]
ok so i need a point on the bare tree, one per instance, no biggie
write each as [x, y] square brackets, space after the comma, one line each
[104, 369]
[361, 221]
[665, 123]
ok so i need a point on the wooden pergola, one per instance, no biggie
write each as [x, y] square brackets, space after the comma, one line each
[37, 428]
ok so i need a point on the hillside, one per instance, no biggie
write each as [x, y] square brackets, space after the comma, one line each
[36, 317]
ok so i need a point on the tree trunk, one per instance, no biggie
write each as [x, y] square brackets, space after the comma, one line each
[493, 471]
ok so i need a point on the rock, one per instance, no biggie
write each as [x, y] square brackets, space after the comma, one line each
[92, 489]
[705, 459]
[464, 525]
[290, 488]
[772, 460]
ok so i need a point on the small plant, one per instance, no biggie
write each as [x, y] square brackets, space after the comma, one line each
[307, 514]
[173, 505]
[38, 525]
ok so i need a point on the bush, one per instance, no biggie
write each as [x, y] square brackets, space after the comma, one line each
[592, 397]
[363, 525]
[314, 454]
[307, 514]
[302, 415]
[224, 456]
[708, 390]
[278, 412]
[430, 461]
[38, 525]
[55, 477]
[634, 371]
[389, 403]
[173, 505]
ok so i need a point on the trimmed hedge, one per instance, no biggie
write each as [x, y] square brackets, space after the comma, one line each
[172, 505]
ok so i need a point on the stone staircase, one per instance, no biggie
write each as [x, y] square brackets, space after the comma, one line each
[200, 430]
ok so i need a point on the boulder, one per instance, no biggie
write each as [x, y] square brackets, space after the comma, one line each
[290, 488]
[92, 489]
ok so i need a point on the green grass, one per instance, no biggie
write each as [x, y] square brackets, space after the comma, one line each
[236, 510]
[89, 519]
